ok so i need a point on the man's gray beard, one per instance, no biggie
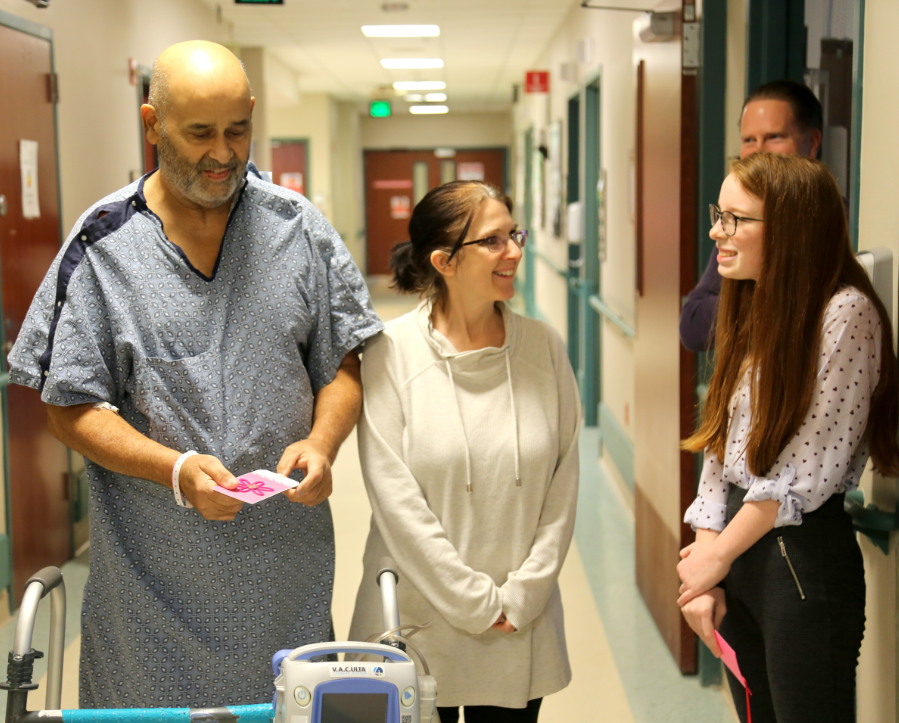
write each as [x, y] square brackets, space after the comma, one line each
[189, 179]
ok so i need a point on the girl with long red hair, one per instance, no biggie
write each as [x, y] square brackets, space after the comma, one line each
[805, 390]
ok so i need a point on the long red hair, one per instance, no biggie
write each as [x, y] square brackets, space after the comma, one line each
[774, 324]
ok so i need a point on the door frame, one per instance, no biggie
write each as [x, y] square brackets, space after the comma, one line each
[590, 281]
[6, 570]
[573, 195]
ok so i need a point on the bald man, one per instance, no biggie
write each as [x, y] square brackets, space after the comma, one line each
[779, 117]
[198, 324]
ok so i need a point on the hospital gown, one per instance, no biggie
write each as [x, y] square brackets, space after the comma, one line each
[179, 610]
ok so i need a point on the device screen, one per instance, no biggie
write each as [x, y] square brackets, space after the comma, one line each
[354, 708]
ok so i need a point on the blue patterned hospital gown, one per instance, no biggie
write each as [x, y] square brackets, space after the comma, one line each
[178, 610]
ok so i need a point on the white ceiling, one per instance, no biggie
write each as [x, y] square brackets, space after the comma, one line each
[487, 45]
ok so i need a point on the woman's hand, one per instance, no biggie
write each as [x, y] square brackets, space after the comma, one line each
[700, 569]
[503, 625]
[704, 614]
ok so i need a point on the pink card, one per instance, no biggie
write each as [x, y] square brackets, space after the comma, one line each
[729, 658]
[257, 486]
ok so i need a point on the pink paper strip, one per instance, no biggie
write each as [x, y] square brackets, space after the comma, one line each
[729, 658]
[253, 488]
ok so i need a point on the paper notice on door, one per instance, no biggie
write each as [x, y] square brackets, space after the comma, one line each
[28, 168]
[470, 171]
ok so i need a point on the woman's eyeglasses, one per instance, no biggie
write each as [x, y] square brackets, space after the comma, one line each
[495, 244]
[728, 220]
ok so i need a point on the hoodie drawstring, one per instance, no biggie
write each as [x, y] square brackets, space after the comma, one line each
[514, 420]
[449, 370]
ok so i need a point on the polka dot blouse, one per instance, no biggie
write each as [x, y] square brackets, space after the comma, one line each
[829, 452]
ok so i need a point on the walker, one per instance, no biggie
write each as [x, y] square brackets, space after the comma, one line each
[307, 689]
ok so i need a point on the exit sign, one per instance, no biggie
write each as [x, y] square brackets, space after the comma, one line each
[379, 109]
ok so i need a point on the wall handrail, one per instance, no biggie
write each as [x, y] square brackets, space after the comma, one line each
[548, 261]
[601, 308]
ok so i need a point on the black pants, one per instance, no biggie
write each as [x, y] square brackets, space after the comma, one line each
[493, 714]
[797, 638]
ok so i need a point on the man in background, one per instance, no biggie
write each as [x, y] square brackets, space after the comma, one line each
[779, 117]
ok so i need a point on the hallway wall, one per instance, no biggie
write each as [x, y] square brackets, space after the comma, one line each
[608, 37]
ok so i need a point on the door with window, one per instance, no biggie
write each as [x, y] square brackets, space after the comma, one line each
[289, 164]
[395, 181]
[29, 240]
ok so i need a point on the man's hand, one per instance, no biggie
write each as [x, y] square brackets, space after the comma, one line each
[310, 457]
[700, 569]
[704, 614]
[199, 474]
[503, 625]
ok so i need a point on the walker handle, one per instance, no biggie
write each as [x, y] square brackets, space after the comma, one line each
[388, 578]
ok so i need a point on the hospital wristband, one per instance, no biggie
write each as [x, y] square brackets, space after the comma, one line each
[176, 471]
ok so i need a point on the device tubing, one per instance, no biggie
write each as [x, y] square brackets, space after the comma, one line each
[388, 601]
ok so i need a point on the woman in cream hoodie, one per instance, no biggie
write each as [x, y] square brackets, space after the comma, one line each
[468, 444]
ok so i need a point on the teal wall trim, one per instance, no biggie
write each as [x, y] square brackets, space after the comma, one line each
[712, 85]
[529, 285]
[25, 26]
[858, 75]
[776, 47]
[574, 250]
[591, 353]
[616, 441]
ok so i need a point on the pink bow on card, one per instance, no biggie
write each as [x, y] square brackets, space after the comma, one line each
[257, 487]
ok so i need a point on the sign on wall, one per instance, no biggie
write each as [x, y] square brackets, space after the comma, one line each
[536, 81]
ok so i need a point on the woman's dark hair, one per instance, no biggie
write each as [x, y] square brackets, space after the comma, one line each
[775, 323]
[440, 221]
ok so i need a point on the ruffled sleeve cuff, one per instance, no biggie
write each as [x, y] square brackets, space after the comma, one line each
[706, 514]
[779, 488]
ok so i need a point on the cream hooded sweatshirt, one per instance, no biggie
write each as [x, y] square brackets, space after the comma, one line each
[471, 465]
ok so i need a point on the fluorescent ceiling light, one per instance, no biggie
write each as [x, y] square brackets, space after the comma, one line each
[428, 109]
[411, 63]
[419, 85]
[414, 97]
[431, 97]
[401, 31]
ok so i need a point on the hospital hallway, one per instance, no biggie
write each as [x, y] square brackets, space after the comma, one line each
[622, 670]
[609, 126]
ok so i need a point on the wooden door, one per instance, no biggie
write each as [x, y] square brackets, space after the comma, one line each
[391, 191]
[289, 167]
[666, 233]
[39, 506]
